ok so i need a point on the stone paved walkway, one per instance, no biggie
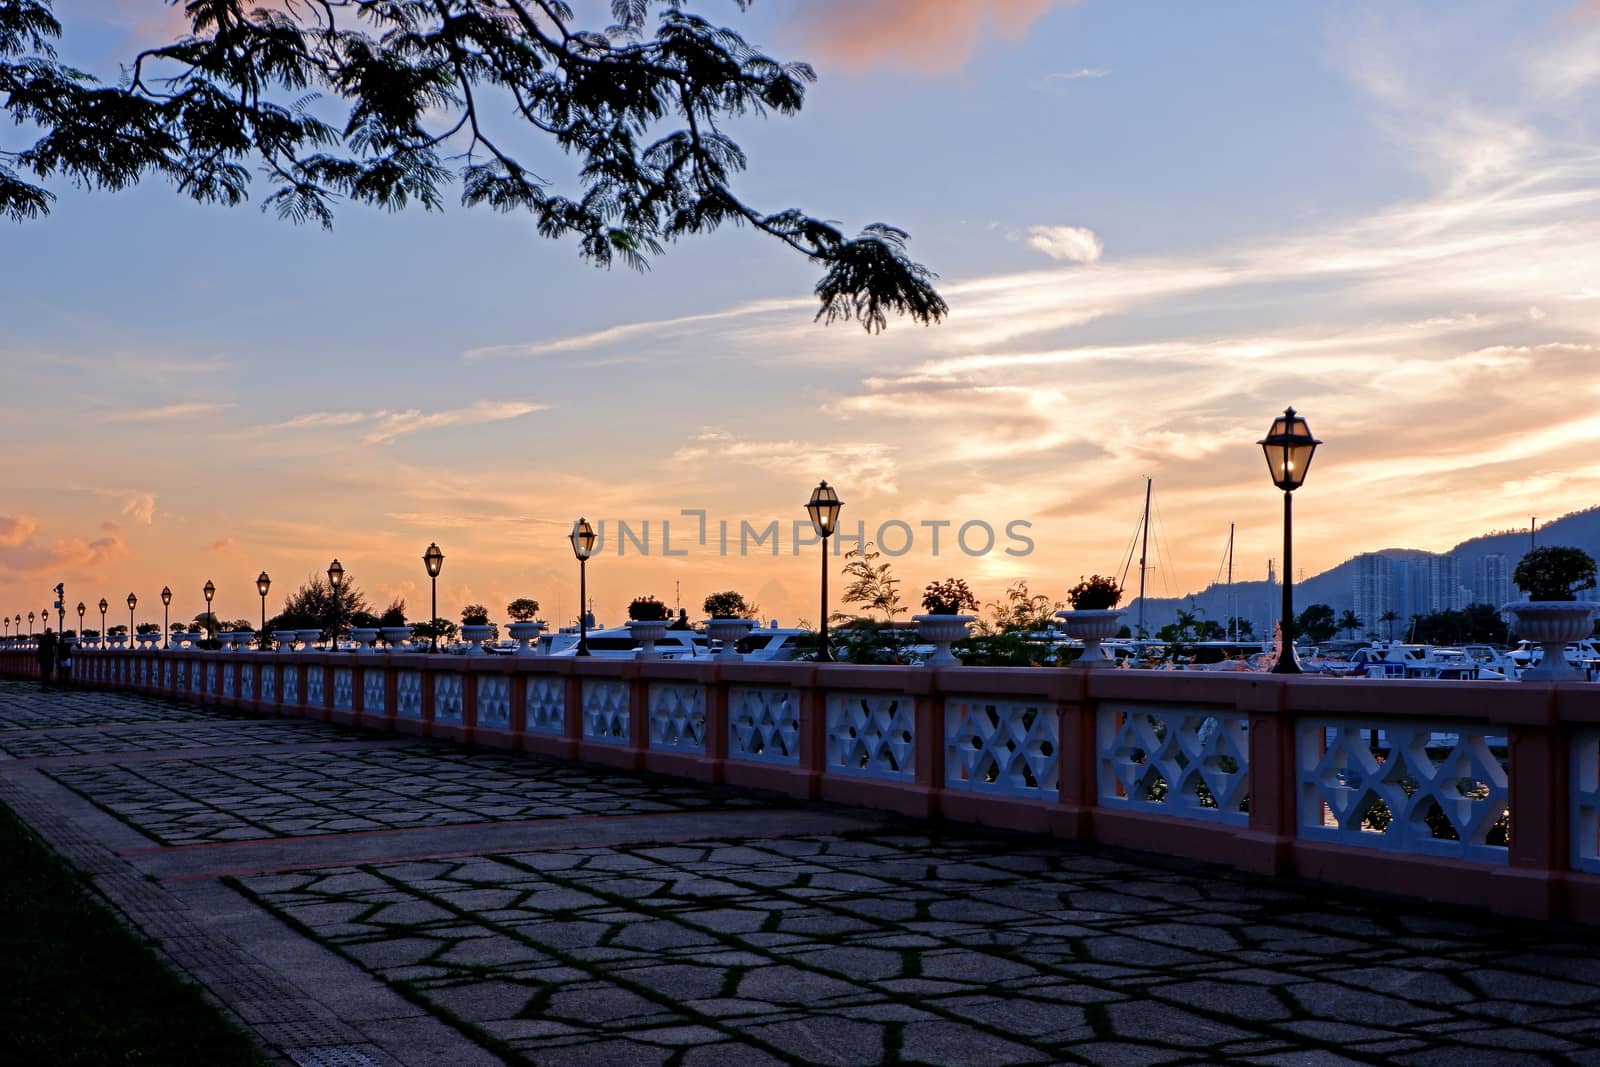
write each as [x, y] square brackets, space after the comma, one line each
[358, 899]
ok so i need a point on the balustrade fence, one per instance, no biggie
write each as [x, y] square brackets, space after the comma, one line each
[1479, 793]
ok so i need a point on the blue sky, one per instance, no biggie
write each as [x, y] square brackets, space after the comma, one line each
[1156, 223]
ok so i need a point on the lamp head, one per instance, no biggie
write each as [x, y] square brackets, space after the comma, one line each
[104, 604]
[335, 575]
[433, 559]
[823, 507]
[166, 594]
[133, 601]
[263, 583]
[583, 539]
[210, 591]
[1289, 447]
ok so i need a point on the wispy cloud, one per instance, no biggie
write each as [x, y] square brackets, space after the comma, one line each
[384, 425]
[169, 412]
[869, 464]
[927, 36]
[613, 335]
[1075, 244]
[1062, 78]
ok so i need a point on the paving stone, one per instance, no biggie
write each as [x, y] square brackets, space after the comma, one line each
[825, 1041]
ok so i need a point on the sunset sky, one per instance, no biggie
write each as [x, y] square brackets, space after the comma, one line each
[1156, 225]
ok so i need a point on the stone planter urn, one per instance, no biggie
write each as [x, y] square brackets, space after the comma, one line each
[308, 638]
[647, 633]
[1553, 623]
[941, 631]
[395, 636]
[526, 635]
[729, 630]
[193, 638]
[243, 639]
[148, 641]
[1091, 627]
[475, 636]
[286, 639]
[366, 637]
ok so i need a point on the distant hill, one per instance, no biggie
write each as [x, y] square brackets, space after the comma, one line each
[1260, 601]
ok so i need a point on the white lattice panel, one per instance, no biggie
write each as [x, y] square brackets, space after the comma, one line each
[372, 694]
[1585, 793]
[545, 705]
[1191, 763]
[229, 672]
[1434, 789]
[344, 688]
[872, 734]
[764, 725]
[269, 682]
[247, 681]
[605, 710]
[677, 717]
[408, 694]
[1004, 747]
[291, 685]
[494, 701]
[447, 698]
[314, 686]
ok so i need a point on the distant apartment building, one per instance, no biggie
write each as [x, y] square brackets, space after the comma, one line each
[1444, 589]
[1491, 579]
[1374, 591]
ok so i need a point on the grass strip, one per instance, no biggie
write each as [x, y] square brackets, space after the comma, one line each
[78, 988]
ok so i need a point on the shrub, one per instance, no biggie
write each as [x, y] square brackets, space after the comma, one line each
[648, 609]
[949, 597]
[1095, 593]
[474, 615]
[395, 616]
[1554, 573]
[729, 605]
[522, 609]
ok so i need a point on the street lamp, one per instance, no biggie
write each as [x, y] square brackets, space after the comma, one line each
[210, 591]
[133, 602]
[1289, 447]
[81, 610]
[104, 604]
[263, 583]
[166, 602]
[583, 539]
[823, 507]
[335, 580]
[30, 624]
[433, 559]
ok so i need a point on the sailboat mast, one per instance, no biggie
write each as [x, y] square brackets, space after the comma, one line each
[1233, 613]
[1144, 552]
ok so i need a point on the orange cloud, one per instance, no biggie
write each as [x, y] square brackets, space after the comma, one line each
[928, 36]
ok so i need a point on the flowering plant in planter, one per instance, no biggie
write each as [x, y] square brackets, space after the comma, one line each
[949, 597]
[648, 609]
[1554, 573]
[1095, 593]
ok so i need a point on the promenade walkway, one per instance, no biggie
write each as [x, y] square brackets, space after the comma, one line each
[359, 899]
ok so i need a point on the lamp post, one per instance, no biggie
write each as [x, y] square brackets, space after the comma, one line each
[133, 602]
[823, 507]
[263, 583]
[1289, 447]
[81, 610]
[583, 540]
[433, 559]
[30, 624]
[335, 581]
[210, 591]
[61, 609]
[104, 604]
[166, 603]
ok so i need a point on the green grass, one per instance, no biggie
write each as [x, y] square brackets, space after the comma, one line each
[77, 988]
